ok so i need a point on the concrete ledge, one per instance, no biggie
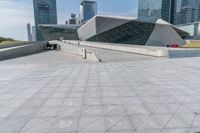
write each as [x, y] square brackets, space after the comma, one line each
[92, 56]
[136, 49]
[143, 50]
[68, 48]
[181, 53]
[17, 44]
[19, 51]
[76, 50]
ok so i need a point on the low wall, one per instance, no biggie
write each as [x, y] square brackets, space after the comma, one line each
[17, 44]
[143, 50]
[76, 50]
[181, 53]
[136, 49]
[18, 51]
[68, 48]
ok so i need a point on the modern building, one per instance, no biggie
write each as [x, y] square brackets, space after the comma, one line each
[88, 9]
[186, 11]
[187, 17]
[29, 34]
[55, 32]
[33, 33]
[114, 29]
[119, 30]
[193, 29]
[177, 12]
[45, 12]
[185, 14]
[152, 10]
[73, 19]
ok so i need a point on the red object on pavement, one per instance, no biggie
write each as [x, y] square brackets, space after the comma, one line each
[175, 45]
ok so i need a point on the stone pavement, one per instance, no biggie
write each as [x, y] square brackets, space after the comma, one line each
[58, 93]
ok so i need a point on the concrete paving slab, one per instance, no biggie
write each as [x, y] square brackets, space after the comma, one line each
[91, 125]
[37, 125]
[64, 125]
[66, 94]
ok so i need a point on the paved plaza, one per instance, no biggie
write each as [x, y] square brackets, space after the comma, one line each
[55, 92]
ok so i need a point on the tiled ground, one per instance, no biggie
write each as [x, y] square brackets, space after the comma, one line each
[55, 93]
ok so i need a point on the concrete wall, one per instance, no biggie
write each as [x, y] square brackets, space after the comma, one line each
[143, 50]
[181, 53]
[164, 35]
[12, 45]
[18, 51]
[74, 48]
[87, 30]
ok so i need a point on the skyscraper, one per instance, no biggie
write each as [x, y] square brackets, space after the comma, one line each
[72, 21]
[45, 12]
[30, 38]
[151, 10]
[33, 33]
[88, 9]
[186, 11]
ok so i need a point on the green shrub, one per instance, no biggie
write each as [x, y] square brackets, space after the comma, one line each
[2, 39]
[9, 39]
[5, 39]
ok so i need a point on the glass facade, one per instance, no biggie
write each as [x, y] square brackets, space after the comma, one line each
[133, 32]
[45, 12]
[152, 10]
[88, 9]
[177, 12]
[186, 11]
[55, 32]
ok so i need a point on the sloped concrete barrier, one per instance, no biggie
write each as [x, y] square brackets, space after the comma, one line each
[68, 48]
[136, 49]
[76, 50]
[18, 51]
[143, 50]
[12, 45]
[92, 56]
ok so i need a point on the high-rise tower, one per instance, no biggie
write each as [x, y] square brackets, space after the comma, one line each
[151, 10]
[186, 11]
[29, 34]
[88, 9]
[45, 12]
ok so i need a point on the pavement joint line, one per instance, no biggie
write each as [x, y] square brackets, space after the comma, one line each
[82, 104]
[115, 87]
[39, 107]
[174, 113]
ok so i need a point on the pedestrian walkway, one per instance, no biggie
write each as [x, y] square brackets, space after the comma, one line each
[55, 92]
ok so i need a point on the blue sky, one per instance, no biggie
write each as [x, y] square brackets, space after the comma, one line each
[17, 13]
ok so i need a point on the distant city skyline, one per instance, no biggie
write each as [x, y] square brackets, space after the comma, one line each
[17, 13]
[152, 10]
